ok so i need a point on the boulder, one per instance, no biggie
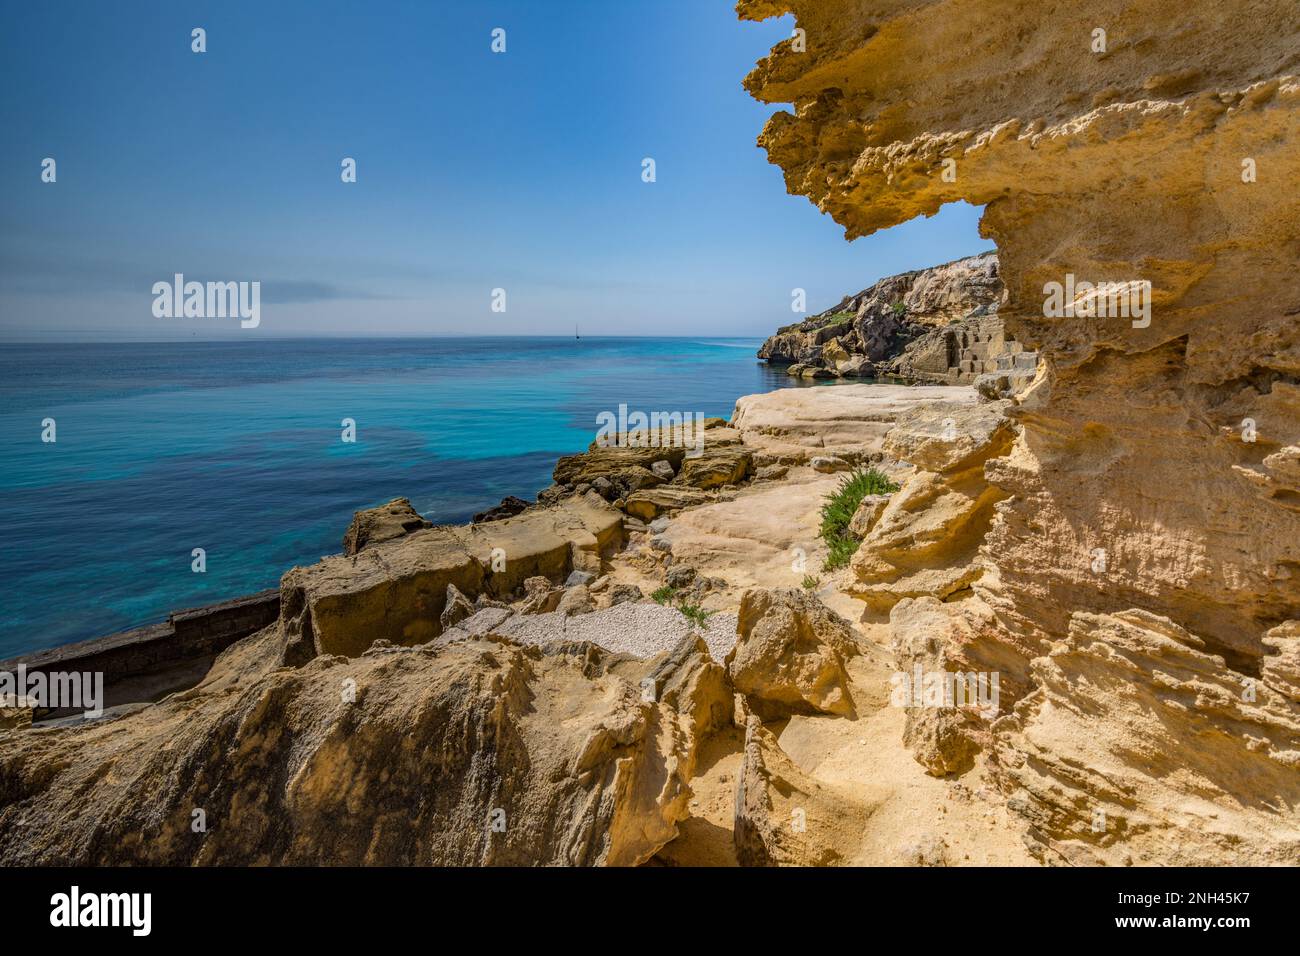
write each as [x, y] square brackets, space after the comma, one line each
[856, 366]
[663, 469]
[827, 464]
[790, 653]
[679, 576]
[576, 600]
[539, 596]
[456, 608]
[869, 511]
[623, 593]
[395, 519]
[833, 353]
[509, 507]
[651, 503]
[726, 465]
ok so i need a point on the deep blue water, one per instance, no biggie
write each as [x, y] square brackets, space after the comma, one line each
[236, 448]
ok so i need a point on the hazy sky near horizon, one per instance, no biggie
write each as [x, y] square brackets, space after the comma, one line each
[475, 170]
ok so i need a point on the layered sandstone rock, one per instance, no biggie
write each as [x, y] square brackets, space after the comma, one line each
[482, 752]
[653, 502]
[926, 538]
[1150, 492]
[397, 590]
[1183, 743]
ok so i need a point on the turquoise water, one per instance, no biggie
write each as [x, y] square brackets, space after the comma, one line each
[236, 448]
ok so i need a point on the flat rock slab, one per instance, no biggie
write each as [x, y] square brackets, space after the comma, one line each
[751, 540]
[791, 425]
[642, 630]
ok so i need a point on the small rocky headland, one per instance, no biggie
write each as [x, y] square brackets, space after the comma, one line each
[1029, 596]
[939, 325]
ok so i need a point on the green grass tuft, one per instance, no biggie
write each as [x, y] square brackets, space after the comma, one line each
[664, 594]
[811, 583]
[694, 613]
[839, 508]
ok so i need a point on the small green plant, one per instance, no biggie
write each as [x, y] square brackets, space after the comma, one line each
[898, 309]
[811, 583]
[840, 551]
[663, 595]
[839, 508]
[694, 613]
[834, 317]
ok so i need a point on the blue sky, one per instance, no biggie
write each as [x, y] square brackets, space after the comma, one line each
[475, 171]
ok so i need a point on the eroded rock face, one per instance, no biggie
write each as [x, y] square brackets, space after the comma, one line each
[784, 817]
[928, 639]
[1151, 474]
[1135, 729]
[482, 752]
[649, 504]
[790, 653]
[927, 536]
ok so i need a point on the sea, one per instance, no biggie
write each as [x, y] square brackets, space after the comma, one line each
[237, 448]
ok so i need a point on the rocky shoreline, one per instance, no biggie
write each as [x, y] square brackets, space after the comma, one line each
[937, 325]
[650, 665]
[1064, 629]
[559, 595]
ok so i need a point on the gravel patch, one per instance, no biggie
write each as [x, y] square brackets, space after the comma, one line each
[476, 625]
[642, 630]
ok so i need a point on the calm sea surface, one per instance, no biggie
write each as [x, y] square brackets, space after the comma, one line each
[236, 448]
